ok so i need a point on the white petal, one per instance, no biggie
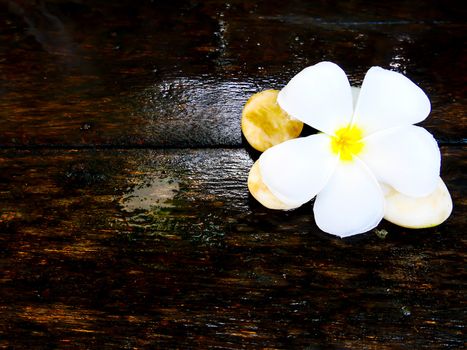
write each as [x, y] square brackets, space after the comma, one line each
[406, 158]
[319, 96]
[352, 202]
[389, 99]
[421, 212]
[355, 93]
[262, 193]
[296, 170]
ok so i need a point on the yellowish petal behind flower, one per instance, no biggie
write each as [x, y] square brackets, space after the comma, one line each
[265, 124]
[423, 212]
[260, 191]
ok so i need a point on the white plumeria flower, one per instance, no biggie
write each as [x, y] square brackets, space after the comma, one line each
[361, 147]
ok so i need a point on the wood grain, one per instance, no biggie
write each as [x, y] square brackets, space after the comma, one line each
[125, 219]
[166, 249]
[80, 73]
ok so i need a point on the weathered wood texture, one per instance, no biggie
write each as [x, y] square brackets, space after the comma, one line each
[88, 263]
[178, 74]
[115, 236]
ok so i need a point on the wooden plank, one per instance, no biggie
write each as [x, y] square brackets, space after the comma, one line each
[87, 73]
[166, 249]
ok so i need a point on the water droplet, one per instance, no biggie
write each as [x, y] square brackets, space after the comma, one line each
[85, 126]
[406, 311]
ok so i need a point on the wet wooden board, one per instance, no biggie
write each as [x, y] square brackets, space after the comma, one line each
[125, 220]
[77, 73]
[166, 249]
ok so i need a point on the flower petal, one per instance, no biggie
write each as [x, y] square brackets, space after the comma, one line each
[352, 202]
[262, 193]
[355, 93]
[406, 158]
[389, 99]
[319, 96]
[410, 212]
[296, 170]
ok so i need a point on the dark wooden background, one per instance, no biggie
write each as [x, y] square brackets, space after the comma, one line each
[125, 220]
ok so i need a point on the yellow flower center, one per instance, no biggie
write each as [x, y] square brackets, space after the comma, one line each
[347, 142]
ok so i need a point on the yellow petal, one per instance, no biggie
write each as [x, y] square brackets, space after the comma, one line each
[265, 124]
[421, 212]
[260, 191]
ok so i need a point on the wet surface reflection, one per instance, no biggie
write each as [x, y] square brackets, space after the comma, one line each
[154, 194]
[183, 111]
[195, 199]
